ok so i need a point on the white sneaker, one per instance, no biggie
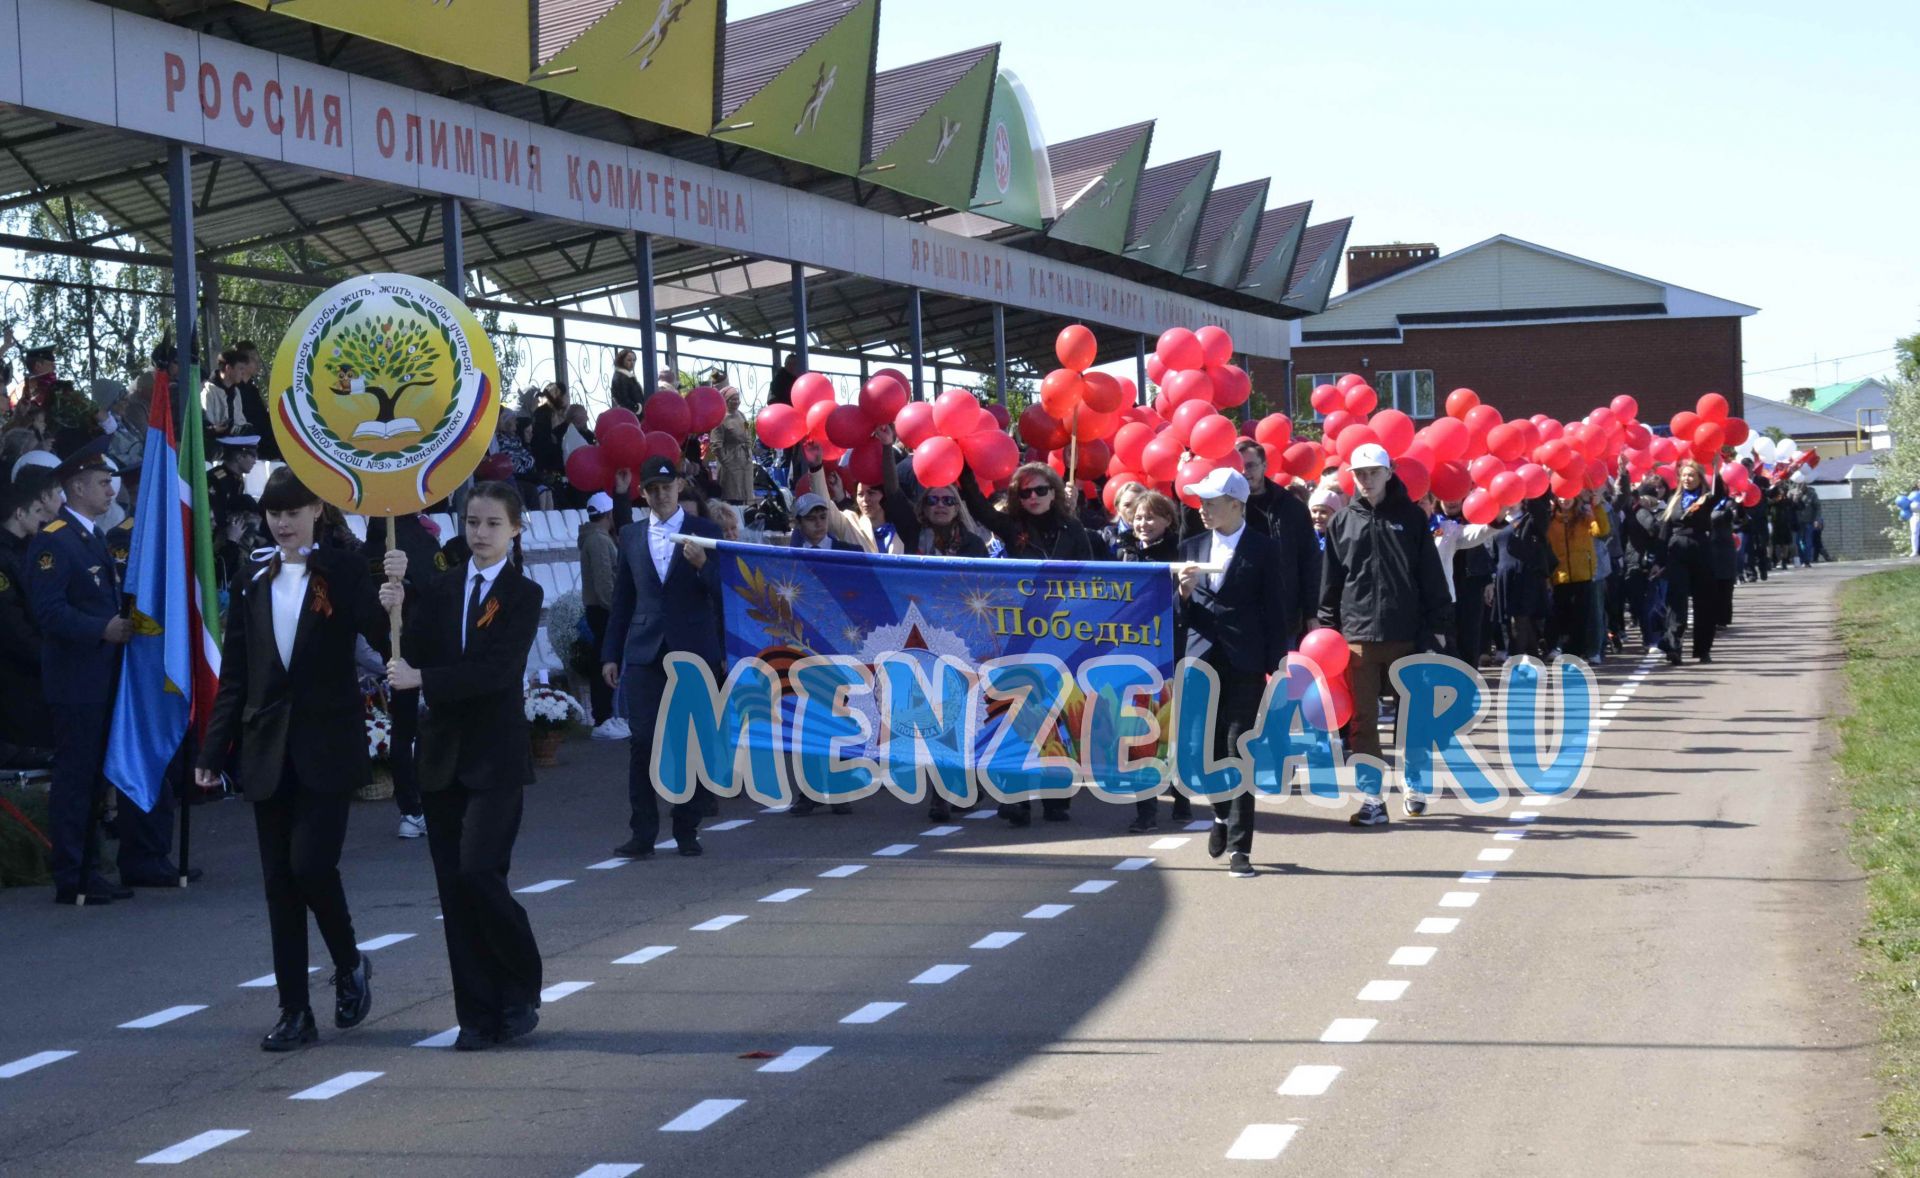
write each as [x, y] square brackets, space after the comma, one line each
[412, 826]
[614, 728]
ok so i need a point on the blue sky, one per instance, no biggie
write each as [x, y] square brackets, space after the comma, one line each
[1764, 153]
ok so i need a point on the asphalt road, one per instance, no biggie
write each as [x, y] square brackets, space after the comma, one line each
[1653, 977]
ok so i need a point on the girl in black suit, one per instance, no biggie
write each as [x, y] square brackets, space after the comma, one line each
[466, 643]
[289, 703]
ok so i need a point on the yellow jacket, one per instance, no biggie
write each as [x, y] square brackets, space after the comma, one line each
[1572, 541]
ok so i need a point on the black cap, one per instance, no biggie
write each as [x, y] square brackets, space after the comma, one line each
[91, 456]
[657, 470]
[38, 352]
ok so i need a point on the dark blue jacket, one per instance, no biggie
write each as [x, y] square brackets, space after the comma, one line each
[834, 543]
[75, 591]
[1248, 624]
[650, 618]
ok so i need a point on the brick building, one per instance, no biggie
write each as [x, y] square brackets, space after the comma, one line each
[1531, 329]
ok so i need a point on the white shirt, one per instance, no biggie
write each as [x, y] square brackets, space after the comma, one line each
[289, 595]
[91, 527]
[1221, 553]
[660, 533]
[487, 577]
[1452, 536]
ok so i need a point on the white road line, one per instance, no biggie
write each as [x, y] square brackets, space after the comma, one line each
[873, 1012]
[938, 975]
[1048, 911]
[382, 941]
[1496, 855]
[1167, 844]
[939, 832]
[1133, 864]
[1524, 816]
[996, 940]
[1437, 926]
[793, 1059]
[1459, 899]
[717, 923]
[160, 1017]
[443, 1039]
[1479, 876]
[193, 1147]
[559, 990]
[1198, 824]
[41, 1059]
[267, 981]
[1412, 955]
[784, 895]
[843, 871]
[1348, 1030]
[729, 824]
[1092, 887]
[545, 885]
[669, 845]
[978, 815]
[1261, 1143]
[700, 1116]
[610, 1170]
[775, 809]
[1380, 990]
[894, 849]
[642, 956]
[1309, 1079]
[344, 1082]
[1511, 836]
[608, 864]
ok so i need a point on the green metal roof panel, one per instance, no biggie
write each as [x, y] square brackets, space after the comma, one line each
[1100, 176]
[929, 121]
[815, 108]
[1168, 212]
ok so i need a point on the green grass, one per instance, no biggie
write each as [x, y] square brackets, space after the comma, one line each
[1880, 761]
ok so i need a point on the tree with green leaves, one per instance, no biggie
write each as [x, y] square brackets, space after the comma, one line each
[1899, 466]
[396, 354]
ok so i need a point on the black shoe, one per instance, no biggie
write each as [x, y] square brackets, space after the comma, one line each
[77, 899]
[1182, 809]
[471, 1040]
[634, 849]
[1702, 658]
[690, 847]
[843, 807]
[294, 1031]
[1673, 657]
[1142, 826]
[802, 806]
[1217, 840]
[1240, 866]
[938, 812]
[517, 1021]
[353, 993]
[1017, 815]
[1056, 816]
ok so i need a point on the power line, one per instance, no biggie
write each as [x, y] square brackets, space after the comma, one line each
[1828, 360]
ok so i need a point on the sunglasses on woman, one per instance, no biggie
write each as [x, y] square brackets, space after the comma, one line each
[1035, 492]
[942, 501]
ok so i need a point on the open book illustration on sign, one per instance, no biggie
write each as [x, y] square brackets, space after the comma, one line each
[385, 361]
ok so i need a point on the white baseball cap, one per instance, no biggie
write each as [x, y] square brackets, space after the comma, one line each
[1370, 455]
[599, 503]
[1222, 482]
[807, 503]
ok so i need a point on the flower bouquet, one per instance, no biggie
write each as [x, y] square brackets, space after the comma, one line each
[551, 711]
[380, 752]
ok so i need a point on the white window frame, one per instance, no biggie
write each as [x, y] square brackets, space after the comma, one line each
[1304, 383]
[1403, 389]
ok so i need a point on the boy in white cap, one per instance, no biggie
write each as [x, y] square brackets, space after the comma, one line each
[598, 556]
[1239, 621]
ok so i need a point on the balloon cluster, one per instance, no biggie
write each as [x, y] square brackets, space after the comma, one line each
[624, 440]
[1908, 504]
[1327, 648]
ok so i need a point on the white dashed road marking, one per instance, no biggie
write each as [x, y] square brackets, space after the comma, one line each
[843, 871]
[1479, 876]
[784, 895]
[642, 956]
[1132, 864]
[793, 1059]
[1379, 990]
[344, 1082]
[381, 942]
[1167, 844]
[443, 1039]
[1348, 1030]
[873, 1012]
[996, 940]
[559, 990]
[610, 1170]
[894, 849]
[1309, 1080]
[939, 975]
[729, 824]
[545, 885]
[1198, 824]
[1261, 1143]
[1496, 854]
[700, 1116]
[608, 864]
[266, 981]
[1459, 899]
[1092, 887]
[939, 832]
[159, 1017]
[1048, 911]
[192, 1147]
[41, 1059]
[1435, 926]
[1412, 955]
[717, 923]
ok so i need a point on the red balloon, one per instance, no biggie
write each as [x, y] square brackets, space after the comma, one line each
[1505, 442]
[1554, 455]
[1128, 441]
[1038, 429]
[494, 468]
[668, 414]
[937, 462]
[614, 417]
[1737, 431]
[1002, 420]
[1275, 429]
[992, 454]
[1352, 438]
[1566, 486]
[1361, 399]
[1096, 458]
[1188, 415]
[864, 461]
[1481, 419]
[1712, 407]
[1415, 475]
[1161, 457]
[1479, 507]
[625, 446]
[1102, 393]
[1191, 471]
[1684, 423]
[1484, 468]
[955, 413]
[848, 426]
[1156, 371]
[780, 426]
[1345, 478]
[1192, 385]
[706, 408]
[1328, 649]
[587, 468]
[1212, 437]
[1062, 392]
[914, 425]
[1460, 402]
[1276, 464]
[1625, 408]
[1535, 479]
[1076, 347]
[1326, 398]
[1348, 381]
[1708, 436]
[1329, 707]
[1451, 482]
[1180, 350]
[1336, 423]
[808, 390]
[817, 414]
[883, 398]
[1448, 438]
[1231, 385]
[1089, 426]
[1507, 488]
[896, 376]
[1115, 481]
[1304, 460]
[1216, 343]
[663, 445]
[1395, 429]
[1422, 453]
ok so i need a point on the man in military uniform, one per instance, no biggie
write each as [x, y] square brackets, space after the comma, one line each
[31, 500]
[227, 484]
[76, 600]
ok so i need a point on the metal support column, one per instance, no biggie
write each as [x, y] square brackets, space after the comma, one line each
[453, 246]
[648, 313]
[210, 316]
[913, 337]
[800, 330]
[1140, 367]
[1000, 353]
[186, 290]
[560, 350]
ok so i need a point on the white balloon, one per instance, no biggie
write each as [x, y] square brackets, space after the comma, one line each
[1788, 446]
[1763, 447]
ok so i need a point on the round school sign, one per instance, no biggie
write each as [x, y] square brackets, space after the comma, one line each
[384, 394]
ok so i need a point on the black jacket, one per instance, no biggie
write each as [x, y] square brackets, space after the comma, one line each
[1383, 581]
[650, 618]
[1165, 550]
[24, 718]
[626, 391]
[1244, 625]
[1688, 536]
[474, 730]
[308, 717]
[1051, 538]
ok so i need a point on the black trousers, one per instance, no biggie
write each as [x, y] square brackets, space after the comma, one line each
[1240, 696]
[1722, 602]
[77, 789]
[490, 947]
[600, 693]
[1572, 606]
[403, 709]
[1469, 618]
[1689, 589]
[301, 833]
[646, 684]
